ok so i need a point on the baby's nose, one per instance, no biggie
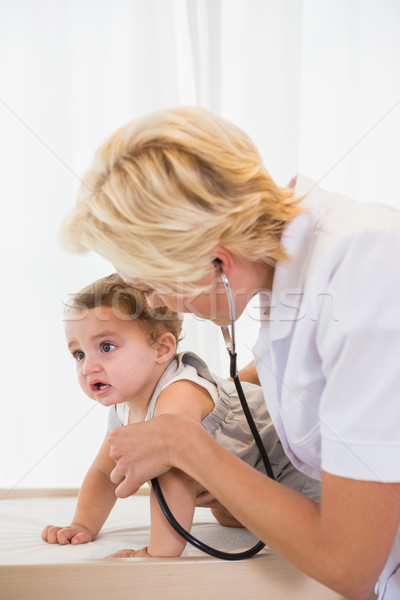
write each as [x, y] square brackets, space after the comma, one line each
[91, 365]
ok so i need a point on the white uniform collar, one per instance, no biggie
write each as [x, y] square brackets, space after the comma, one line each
[287, 288]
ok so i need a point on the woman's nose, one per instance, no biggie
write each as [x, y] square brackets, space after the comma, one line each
[155, 301]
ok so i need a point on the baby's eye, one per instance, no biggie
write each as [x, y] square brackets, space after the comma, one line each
[107, 347]
[78, 355]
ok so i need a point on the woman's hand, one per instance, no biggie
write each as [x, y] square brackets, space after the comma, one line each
[72, 534]
[146, 450]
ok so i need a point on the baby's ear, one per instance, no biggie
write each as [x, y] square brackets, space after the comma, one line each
[166, 347]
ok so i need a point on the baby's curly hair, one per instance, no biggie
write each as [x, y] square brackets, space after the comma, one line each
[114, 292]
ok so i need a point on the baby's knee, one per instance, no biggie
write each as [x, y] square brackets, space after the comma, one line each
[224, 517]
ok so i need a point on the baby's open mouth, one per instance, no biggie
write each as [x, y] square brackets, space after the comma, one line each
[100, 385]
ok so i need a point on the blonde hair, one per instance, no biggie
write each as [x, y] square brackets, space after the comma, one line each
[165, 189]
[113, 292]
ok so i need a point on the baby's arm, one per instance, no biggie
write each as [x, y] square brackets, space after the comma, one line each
[95, 501]
[183, 398]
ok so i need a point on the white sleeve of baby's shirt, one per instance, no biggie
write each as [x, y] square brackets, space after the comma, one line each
[189, 373]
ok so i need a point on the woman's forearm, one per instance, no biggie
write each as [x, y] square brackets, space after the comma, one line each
[336, 542]
[252, 498]
[343, 542]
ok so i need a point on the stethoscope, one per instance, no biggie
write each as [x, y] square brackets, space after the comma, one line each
[230, 342]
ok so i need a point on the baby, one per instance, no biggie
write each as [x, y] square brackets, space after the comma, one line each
[126, 359]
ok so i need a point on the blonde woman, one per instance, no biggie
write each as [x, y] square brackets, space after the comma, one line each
[166, 196]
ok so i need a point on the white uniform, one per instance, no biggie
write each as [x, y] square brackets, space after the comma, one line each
[328, 351]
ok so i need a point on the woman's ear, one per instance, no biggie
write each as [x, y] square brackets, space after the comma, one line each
[223, 260]
[166, 347]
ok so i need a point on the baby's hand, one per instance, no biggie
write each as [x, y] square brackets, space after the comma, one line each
[73, 534]
[142, 553]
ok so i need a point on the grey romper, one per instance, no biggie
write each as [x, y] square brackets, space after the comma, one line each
[227, 423]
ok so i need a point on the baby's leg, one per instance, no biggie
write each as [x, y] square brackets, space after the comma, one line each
[224, 517]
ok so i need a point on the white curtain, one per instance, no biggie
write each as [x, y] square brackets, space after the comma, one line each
[314, 82]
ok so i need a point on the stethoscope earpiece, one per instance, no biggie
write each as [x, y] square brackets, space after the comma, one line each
[217, 263]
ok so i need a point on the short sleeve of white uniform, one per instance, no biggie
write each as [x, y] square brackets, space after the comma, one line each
[360, 352]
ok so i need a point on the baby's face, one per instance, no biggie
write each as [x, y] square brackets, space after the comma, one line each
[114, 360]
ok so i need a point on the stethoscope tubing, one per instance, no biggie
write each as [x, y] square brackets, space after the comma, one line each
[230, 344]
[193, 540]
